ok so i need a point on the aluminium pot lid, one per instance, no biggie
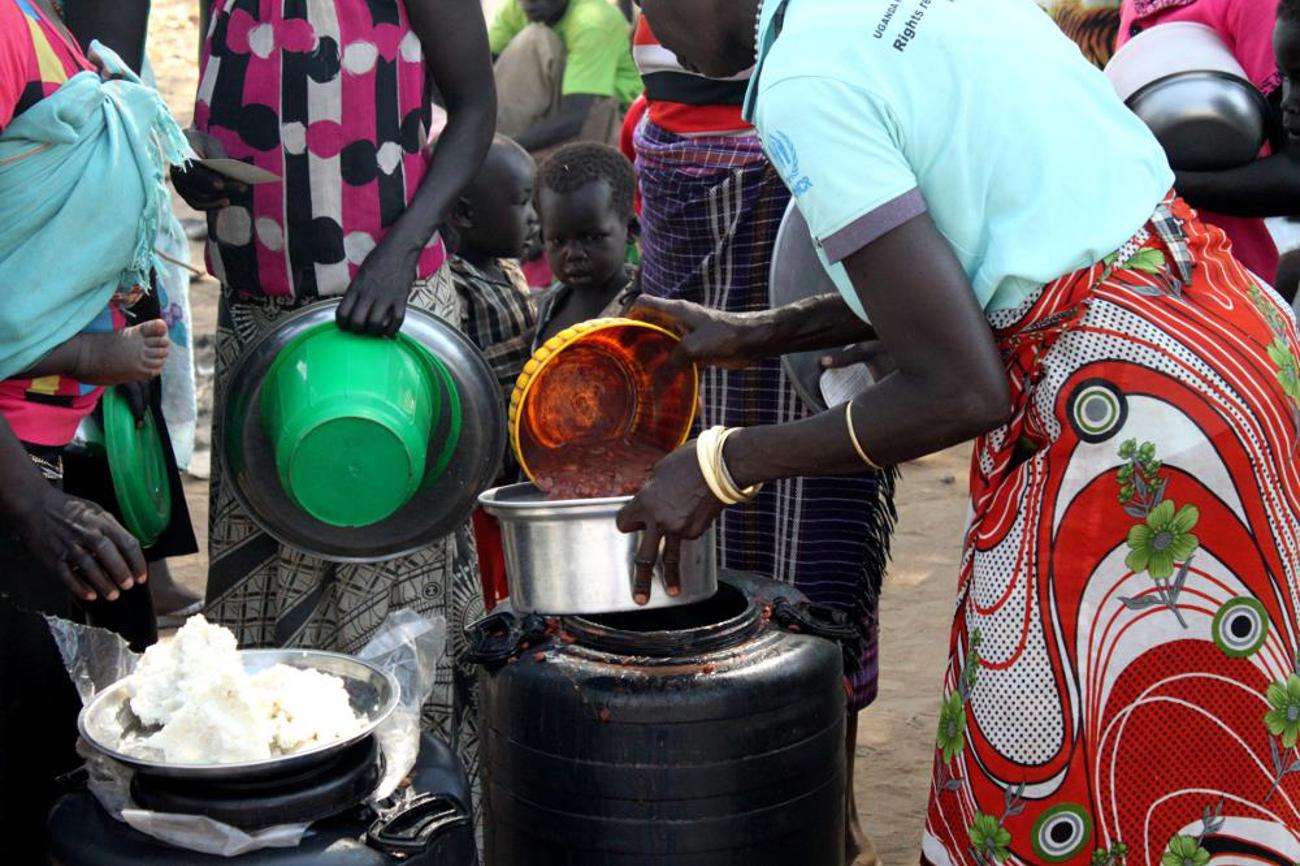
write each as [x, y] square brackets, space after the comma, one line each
[437, 507]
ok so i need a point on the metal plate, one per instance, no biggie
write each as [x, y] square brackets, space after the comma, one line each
[248, 456]
[1205, 121]
[797, 273]
[373, 695]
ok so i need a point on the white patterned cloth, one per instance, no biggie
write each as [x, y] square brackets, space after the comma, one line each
[272, 595]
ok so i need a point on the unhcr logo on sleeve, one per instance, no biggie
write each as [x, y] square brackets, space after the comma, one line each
[786, 159]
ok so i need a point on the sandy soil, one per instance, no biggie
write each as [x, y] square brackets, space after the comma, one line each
[896, 734]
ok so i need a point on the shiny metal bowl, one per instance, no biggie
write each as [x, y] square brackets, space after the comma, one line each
[1204, 120]
[568, 557]
[374, 694]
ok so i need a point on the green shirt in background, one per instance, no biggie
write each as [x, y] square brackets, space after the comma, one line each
[597, 45]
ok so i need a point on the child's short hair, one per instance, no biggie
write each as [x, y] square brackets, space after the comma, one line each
[1289, 10]
[576, 165]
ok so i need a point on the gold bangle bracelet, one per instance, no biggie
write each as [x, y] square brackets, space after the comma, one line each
[853, 436]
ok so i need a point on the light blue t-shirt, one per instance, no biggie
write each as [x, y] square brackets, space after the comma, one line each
[980, 112]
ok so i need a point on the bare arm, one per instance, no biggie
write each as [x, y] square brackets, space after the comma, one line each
[122, 25]
[949, 385]
[1263, 188]
[561, 126]
[722, 339]
[455, 48]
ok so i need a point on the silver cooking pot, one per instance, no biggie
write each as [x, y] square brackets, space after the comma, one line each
[568, 556]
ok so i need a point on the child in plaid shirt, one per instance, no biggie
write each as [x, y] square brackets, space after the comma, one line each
[493, 222]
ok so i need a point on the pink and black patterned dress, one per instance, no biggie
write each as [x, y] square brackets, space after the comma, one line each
[332, 98]
[329, 95]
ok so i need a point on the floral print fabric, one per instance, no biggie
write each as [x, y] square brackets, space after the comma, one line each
[1123, 688]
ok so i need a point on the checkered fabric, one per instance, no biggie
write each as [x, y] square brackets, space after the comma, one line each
[711, 207]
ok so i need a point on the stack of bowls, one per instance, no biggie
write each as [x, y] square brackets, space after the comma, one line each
[355, 448]
[351, 417]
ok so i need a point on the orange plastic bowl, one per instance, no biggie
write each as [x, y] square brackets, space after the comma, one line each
[597, 396]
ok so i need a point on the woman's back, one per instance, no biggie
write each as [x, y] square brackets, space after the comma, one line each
[1020, 150]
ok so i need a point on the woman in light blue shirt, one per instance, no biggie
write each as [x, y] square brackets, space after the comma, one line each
[1122, 685]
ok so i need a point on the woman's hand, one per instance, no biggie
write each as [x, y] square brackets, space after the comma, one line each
[80, 542]
[870, 352]
[375, 302]
[202, 188]
[136, 395]
[709, 337]
[674, 504]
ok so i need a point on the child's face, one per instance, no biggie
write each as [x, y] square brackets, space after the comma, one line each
[586, 239]
[502, 220]
[1286, 49]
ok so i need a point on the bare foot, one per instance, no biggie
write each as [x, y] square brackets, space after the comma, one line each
[134, 354]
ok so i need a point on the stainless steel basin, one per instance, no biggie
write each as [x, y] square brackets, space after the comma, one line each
[1205, 120]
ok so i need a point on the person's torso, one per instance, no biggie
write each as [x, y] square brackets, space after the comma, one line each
[562, 307]
[38, 58]
[1027, 161]
[331, 97]
[684, 102]
[587, 15]
[1246, 27]
[499, 314]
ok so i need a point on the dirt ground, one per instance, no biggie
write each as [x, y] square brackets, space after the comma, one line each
[896, 734]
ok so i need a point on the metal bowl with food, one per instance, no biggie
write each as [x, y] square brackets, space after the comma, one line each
[372, 694]
[569, 557]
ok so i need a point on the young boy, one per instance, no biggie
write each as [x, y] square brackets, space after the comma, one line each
[584, 196]
[494, 221]
[491, 224]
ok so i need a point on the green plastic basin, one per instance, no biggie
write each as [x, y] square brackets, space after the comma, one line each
[138, 468]
[350, 418]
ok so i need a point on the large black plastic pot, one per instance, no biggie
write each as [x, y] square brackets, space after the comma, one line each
[702, 735]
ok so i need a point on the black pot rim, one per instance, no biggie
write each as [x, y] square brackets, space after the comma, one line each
[610, 633]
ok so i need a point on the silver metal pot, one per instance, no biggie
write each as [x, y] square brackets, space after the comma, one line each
[568, 557]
